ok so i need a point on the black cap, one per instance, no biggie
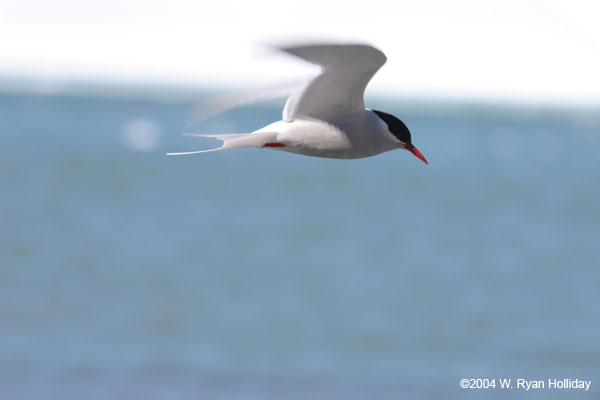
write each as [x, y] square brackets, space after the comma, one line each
[395, 126]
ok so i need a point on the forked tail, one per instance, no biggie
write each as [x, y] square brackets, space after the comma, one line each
[233, 141]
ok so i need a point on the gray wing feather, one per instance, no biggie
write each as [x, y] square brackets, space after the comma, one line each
[346, 69]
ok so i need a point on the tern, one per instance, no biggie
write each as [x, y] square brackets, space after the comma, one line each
[326, 116]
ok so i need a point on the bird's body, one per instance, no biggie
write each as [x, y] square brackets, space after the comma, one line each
[355, 136]
[326, 117]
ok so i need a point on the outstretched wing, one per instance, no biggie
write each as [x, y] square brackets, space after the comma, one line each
[346, 69]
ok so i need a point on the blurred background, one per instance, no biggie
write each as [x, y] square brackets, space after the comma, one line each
[249, 274]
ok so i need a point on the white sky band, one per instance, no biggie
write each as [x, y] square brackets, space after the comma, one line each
[543, 50]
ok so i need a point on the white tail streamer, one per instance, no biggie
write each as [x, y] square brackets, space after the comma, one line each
[233, 141]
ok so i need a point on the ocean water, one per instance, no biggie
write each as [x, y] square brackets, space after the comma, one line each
[258, 274]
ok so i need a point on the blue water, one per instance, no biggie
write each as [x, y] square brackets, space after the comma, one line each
[258, 274]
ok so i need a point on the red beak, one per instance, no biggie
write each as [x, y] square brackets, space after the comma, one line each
[416, 152]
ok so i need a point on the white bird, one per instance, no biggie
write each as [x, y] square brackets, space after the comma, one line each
[326, 117]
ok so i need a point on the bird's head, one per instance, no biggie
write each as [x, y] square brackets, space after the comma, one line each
[401, 132]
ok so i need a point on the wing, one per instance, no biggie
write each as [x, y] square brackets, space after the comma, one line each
[207, 109]
[339, 88]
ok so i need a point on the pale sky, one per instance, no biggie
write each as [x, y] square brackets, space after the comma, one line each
[536, 50]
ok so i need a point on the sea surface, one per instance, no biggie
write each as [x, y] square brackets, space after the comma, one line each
[258, 274]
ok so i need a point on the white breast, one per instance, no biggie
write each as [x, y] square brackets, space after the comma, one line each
[360, 135]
